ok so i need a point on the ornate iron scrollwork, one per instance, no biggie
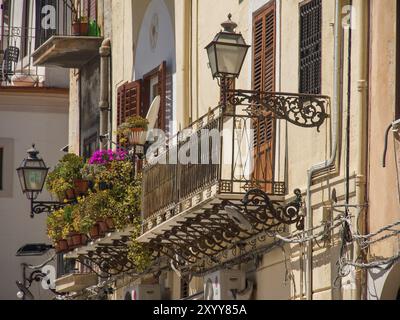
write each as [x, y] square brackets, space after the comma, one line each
[39, 207]
[214, 231]
[307, 111]
[259, 208]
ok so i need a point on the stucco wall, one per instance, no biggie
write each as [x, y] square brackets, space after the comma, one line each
[26, 118]
[195, 92]
[384, 206]
[89, 100]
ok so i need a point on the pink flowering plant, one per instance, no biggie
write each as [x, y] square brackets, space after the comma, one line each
[104, 157]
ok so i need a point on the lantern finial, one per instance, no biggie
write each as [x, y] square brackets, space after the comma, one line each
[229, 25]
[33, 153]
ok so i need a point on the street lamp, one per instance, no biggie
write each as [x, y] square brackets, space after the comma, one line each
[226, 53]
[32, 175]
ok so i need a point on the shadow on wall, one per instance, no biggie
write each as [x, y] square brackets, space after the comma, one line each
[384, 285]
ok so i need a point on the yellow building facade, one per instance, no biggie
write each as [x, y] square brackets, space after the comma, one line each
[341, 54]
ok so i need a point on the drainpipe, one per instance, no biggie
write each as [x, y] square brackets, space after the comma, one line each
[362, 9]
[105, 53]
[335, 134]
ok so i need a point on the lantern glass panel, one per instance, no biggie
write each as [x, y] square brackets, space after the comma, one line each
[230, 58]
[212, 59]
[35, 178]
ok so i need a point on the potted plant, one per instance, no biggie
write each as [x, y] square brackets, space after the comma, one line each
[80, 26]
[133, 129]
[100, 162]
[106, 157]
[65, 181]
[57, 229]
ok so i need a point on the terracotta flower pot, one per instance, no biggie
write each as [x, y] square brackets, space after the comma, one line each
[76, 240]
[102, 227]
[95, 232]
[70, 194]
[61, 246]
[136, 136]
[110, 223]
[70, 241]
[81, 187]
[84, 239]
[80, 28]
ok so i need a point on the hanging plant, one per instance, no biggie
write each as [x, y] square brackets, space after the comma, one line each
[105, 157]
[133, 130]
[65, 181]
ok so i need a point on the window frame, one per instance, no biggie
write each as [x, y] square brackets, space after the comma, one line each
[310, 88]
[8, 166]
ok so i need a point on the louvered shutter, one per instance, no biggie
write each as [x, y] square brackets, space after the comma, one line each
[264, 80]
[128, 100]
[162, 91]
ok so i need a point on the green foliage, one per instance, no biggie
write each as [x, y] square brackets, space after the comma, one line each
[122, 203]
[140, 256]
[91, 172]
[60, 223]
[135, 122]
[62, 177]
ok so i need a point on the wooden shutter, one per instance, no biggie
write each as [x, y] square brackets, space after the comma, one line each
[128, 100]
[264, 81]
[162, 91]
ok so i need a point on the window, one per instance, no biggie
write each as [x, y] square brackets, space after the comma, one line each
[135, 98]
[43, 34]
[1, 168]
[26, 27]
[264, 81]
[310, 47]
[90, 146]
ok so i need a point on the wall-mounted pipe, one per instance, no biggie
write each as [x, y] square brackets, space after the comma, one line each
[335, 137]
[104, 105]
[362, 9]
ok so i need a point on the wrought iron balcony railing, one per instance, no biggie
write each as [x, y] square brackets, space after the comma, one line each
[16, 69]
[196, 213]
[218, 155]
[73, 39]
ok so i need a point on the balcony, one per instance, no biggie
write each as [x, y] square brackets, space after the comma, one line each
[68, 45]
[224, 165]
[210, 197]
[16, 69]
[76, 282]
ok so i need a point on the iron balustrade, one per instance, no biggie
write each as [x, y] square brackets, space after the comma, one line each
[218, 150]
[16, 46]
